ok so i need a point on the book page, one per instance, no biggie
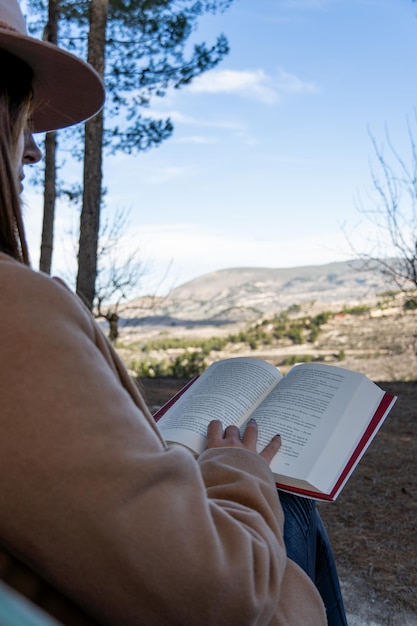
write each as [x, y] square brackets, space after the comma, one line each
[228, 390]
[305, 409]
[364, 412]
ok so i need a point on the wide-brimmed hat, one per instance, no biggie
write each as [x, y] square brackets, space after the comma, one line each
[66, 90]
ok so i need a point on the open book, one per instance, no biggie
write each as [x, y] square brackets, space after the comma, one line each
[327, 416]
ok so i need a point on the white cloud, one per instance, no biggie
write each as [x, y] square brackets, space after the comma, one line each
[187, 120]
[189, 242]
[288, 83]
[255, 84]
[237, 129]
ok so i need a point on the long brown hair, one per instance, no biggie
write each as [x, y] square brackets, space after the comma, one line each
[15, 99]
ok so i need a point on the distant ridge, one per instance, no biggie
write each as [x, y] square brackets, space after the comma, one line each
[237, 294]
[325, 275]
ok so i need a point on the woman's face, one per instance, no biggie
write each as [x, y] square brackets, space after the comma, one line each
[27, 153]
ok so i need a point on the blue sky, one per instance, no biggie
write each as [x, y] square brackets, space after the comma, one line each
[272, 149]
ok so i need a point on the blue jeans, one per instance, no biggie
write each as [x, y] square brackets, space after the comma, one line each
[308, 545]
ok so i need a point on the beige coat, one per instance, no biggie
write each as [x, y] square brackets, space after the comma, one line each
[94, 502]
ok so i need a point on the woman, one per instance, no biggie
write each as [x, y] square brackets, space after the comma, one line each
[100, 521]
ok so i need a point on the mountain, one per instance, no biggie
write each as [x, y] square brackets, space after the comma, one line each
[238, 294]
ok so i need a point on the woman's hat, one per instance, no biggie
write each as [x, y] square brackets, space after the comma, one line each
[66, 90]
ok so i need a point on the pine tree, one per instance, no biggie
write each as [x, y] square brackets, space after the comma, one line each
[139, 47]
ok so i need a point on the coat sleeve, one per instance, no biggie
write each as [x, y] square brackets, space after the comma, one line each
[92, 498]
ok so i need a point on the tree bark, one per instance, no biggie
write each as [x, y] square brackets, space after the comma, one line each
[93, 172]
[47, 243]
[45, 263]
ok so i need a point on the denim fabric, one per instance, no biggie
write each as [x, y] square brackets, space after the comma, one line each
[308, 545]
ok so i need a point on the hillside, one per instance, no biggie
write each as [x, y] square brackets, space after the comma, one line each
[368, 330]
[241, 294]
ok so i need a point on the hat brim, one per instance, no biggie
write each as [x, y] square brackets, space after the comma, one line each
[66, 89]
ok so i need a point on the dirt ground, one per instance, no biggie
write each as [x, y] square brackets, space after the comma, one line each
[373, 524]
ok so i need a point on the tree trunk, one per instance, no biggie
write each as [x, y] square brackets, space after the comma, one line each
[93, 157]
[49, 198]
[51, 35]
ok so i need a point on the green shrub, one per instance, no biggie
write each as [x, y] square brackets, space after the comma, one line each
[186, 365]
[321, 318]
[265, 332]
[179, 343]
[150, 368]
[359, 309]
[410, 304]
[294, 333]
[293, 359]
[294, 309]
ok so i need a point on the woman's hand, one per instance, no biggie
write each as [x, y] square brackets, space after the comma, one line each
[230, 438]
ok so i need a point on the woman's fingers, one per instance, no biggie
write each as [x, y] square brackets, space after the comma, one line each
[214, 433]
[217, 438]
[250, 437]
[230, 437]
[271, 449]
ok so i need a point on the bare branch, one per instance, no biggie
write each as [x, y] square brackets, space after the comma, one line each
[392, 209]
